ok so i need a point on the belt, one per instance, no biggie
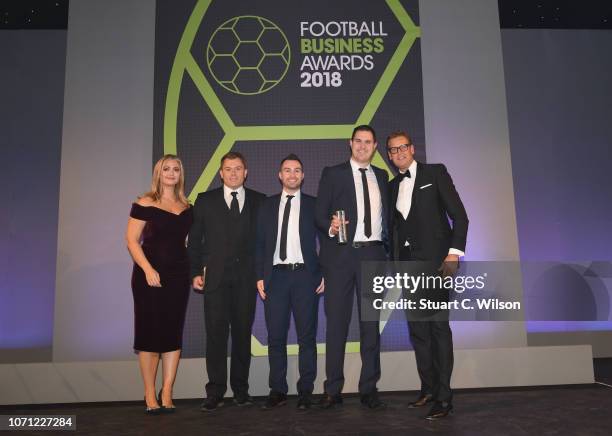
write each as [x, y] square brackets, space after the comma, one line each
[362, 244]
[289, 266]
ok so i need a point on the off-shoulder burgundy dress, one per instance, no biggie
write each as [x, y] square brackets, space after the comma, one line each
[159, 313]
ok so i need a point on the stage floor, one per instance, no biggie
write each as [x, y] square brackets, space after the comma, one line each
[578, 409]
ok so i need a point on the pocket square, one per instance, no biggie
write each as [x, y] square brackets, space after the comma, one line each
[425, 186]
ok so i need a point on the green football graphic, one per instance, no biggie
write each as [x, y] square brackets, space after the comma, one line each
[258, 48]
[248, 55]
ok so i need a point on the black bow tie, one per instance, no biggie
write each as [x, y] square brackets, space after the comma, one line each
[405, 175]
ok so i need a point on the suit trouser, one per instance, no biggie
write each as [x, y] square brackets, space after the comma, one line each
[231, 304]
[433, 350]
[292, 292]
[341, 284]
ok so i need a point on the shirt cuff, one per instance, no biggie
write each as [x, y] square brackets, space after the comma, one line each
[457, 252]
[329, 233]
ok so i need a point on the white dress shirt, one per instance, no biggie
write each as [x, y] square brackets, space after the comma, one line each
[404, 194]
[404, 199]
[227, 194]
[375, 204]
[294, 250]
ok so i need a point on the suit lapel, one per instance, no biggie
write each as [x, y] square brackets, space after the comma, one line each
[302, 219]
[417, 180]
[350, 180]
[350, 186]
[394, 193]
[221, 200]
[247, 197]
[351, 214]
[382, 178]
[274, 218]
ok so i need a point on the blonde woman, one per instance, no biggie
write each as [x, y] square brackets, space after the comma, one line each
[156, 231]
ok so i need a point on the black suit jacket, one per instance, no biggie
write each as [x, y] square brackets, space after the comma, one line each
[337, 192]
[433, 204]
[208, 236]
[267, 233]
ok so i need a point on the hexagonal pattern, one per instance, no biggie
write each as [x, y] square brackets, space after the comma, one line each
[255, 44]
[248, 28]
[249, 81]
[248, 54]
[272, 41]
[224, 41]
[272, 67]
[226, 67]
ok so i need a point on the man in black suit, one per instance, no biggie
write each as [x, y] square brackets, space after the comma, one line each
[359, 189]
[289, 281]
[221, 250]
[423, 198]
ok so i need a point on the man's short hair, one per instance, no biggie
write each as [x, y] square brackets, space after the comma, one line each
[397, 134]
[233, 155]
[364, 128]
[291, 156]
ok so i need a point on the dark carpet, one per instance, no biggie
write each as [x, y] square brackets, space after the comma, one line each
[575, 410]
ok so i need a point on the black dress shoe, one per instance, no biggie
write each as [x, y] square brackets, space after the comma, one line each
[275, 399]
[164, 409]
[330, 401]
[304, 401]
[243, 400]
[371, 401]
[421, 401]
[211, 404]
[439, 410]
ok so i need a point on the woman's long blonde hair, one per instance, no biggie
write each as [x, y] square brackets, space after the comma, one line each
[156, 186]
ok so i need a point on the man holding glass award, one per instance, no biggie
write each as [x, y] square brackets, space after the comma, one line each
[351, 209]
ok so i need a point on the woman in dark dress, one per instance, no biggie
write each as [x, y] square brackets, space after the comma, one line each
[160, 218]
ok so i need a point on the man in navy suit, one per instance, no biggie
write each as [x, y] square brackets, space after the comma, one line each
[360, 189]
[289, 281]
[423, 198]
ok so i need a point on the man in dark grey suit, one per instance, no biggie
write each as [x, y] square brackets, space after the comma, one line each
[423, 198]
[360, 189]
[221, 240]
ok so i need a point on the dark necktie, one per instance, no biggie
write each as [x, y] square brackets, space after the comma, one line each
[234, 206]
[367, 214]
[284, 228]
[406, 175]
